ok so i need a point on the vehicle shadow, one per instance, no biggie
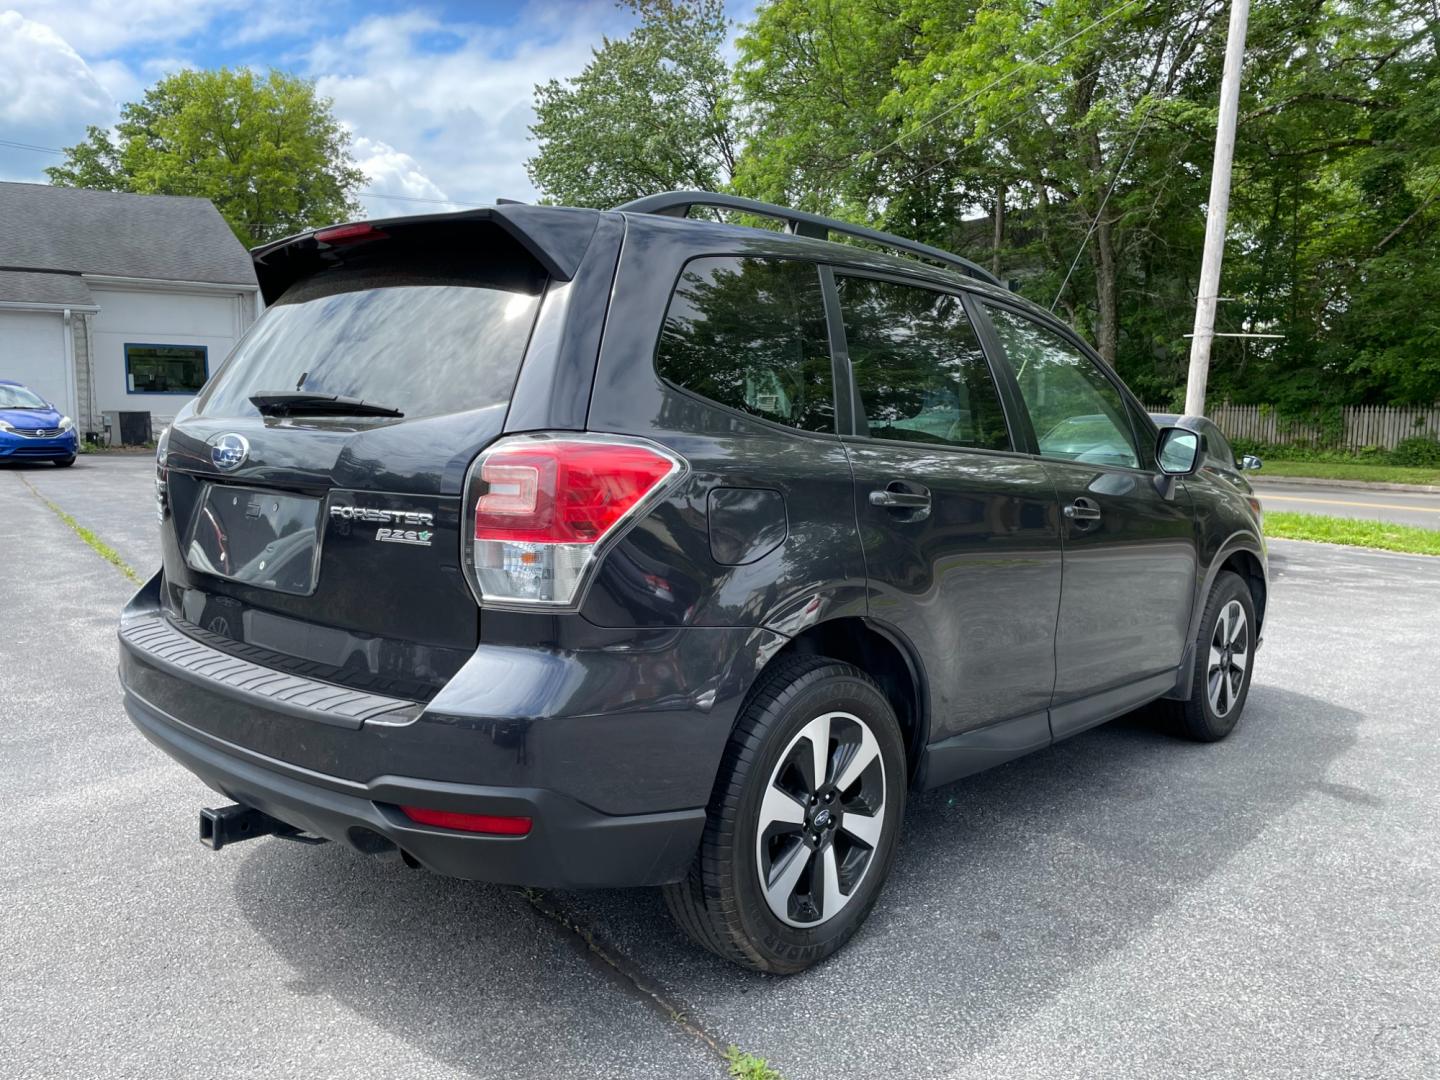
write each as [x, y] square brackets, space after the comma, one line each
[1006, 886]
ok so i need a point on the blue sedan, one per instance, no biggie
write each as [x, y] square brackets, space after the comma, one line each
[32, 429]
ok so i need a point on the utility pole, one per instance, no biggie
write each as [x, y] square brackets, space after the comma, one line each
[1209, 291]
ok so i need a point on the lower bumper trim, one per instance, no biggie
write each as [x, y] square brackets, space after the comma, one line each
[571, 845]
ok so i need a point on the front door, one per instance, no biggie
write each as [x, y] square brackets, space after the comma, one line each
[960, 533]
[1130, 558]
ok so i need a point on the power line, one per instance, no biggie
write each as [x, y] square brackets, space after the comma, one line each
[992, 134]
[363, 193]
[997, 81]
[1114, 183]
[28, 146]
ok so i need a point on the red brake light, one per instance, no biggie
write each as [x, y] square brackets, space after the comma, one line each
[493, 824]
[350, 234]
[564, 492]
[544, 504]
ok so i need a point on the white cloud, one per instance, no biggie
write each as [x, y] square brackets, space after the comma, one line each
[105, 27]
[392, 172]
[439, 109]
[47, 95]
[462, 112]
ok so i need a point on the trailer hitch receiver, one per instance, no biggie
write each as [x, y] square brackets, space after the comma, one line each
[231, 824]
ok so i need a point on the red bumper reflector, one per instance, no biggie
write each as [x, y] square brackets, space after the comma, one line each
[493, 824]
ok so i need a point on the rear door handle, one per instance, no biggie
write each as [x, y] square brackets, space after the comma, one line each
[1083, 509]
[896, 497]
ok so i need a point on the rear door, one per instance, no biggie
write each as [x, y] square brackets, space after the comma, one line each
[330, 544]
[1130, 559]
[960, 531]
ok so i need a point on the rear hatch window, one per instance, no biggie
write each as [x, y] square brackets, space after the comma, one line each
[420, 331]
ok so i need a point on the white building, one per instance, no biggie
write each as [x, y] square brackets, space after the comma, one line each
[113, 303]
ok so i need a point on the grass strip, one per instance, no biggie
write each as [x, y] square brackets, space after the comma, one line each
[745, 1066]
[1351, 470]
[104, 550]
[1285, 525]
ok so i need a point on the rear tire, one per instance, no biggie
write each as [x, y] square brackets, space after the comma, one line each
[788, 867]
[1224, 662]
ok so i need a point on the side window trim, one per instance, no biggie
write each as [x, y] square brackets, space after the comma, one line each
[1145, 455]
[1021, 437]
[846, 393]
[1022, 431]
[674, 387]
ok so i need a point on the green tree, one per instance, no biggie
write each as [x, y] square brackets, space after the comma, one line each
[652, 111]
[815, 76]
[264, 149]
[1337, 208]
[1071, 142]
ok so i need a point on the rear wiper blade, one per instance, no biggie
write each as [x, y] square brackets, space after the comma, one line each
[304, 403]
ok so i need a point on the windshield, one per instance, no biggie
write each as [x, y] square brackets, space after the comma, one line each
[17, 397]
[422, 342]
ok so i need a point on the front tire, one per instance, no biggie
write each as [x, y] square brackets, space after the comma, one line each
[1224, 661]
[802, 826]
[64, 462]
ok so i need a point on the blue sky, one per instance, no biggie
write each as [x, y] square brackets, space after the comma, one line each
[437, 96]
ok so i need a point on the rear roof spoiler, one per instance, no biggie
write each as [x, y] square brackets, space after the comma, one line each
[556, 236]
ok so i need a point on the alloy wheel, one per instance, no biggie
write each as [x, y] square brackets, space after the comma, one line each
[1229, 658]
[821, 819]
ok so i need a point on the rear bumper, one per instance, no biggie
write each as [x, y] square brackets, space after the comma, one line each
[569, 845]
[612, 751]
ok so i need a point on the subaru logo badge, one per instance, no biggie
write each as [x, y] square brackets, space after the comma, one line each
[229, 451]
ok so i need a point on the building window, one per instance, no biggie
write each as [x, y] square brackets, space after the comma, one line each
[165, 369]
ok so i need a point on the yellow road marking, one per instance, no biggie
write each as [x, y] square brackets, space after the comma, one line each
[1342, 502]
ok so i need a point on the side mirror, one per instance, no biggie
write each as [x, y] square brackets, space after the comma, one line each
[1178, 451]
[1250, 462]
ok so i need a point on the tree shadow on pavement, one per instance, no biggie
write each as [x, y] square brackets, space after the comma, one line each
[1006, 886]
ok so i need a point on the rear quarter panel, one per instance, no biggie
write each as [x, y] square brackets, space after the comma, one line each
[664, 572]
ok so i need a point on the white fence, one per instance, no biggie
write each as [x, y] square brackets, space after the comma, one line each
[1363, 426]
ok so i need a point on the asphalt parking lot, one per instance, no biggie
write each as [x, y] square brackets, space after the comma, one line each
[1122, 905]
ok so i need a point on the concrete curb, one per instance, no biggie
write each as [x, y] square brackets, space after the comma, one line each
[1364, 485]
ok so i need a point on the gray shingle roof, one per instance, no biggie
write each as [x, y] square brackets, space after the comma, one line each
[166, 237]
[33, 287]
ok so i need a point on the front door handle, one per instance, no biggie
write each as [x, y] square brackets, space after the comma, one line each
[1083, 509]
[897, 495]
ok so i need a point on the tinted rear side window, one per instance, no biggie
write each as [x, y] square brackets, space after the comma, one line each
[424, 334]
[918, 364]
[751, 334]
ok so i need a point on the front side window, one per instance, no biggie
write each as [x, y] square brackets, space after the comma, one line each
[1217, 449]
[919, 367]
[1077, 412]
[750, 333]
[165, 369]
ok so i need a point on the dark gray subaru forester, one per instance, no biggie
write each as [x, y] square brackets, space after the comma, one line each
[569, 548]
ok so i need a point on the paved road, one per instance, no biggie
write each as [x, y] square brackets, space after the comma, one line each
[1123, 905]
[1401, 507]
[112, 494]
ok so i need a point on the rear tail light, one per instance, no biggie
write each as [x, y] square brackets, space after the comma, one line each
[546, 506]
[493, 824]
[162, 474]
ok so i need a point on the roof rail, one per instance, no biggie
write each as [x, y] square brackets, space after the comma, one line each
[798, 222]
